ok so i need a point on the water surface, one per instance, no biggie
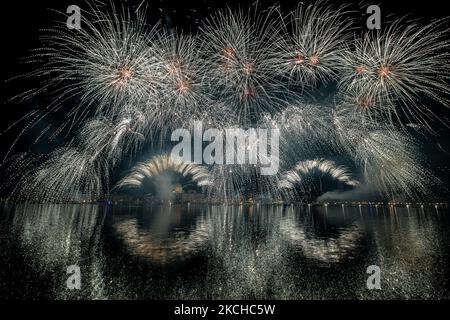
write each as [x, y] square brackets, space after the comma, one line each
[223, 252]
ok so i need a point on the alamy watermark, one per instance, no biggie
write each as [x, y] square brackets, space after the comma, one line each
[374, 280]
[254, 146]
[74, 20]
[374, 20]
[74, 280]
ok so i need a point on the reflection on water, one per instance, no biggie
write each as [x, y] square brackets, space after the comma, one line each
[328, 249]
[219, 252]
[164, 237]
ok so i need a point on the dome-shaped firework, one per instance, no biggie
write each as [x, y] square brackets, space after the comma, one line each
[160, 164]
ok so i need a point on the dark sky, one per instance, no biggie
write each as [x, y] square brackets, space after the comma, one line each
[21, 21]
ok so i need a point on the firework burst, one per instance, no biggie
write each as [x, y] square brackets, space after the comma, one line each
[183, 90]
[133, 84]
[160, 164]
[241, 55]
[388, 158]
[393, 69]
[297, 177]
[315, 37]
[108, 63]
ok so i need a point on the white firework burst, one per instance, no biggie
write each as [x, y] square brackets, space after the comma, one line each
[240, 52]
[393, 69]
[311, 51]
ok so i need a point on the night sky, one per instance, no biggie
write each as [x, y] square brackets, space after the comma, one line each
[21, 22]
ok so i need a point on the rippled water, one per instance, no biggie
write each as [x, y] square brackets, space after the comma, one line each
[218, 252]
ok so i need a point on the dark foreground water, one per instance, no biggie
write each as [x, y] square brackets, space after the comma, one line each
[218, 252]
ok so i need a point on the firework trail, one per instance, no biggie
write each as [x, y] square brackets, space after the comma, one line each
[389, 159]
[237, 182]
[305, 131]
[66, 175]
[15, 168]
[114, 140]
[391, 162]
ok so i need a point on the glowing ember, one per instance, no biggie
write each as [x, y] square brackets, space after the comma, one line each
[122, 76]
[360, 70]
[247, 68]
[183, 86]
[314, 60]
[384, 71]
[299, 59]
[229, 52]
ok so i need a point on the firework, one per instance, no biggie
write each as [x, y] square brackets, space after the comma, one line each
[393, 69]
[236, 183]
[183, 91]
[67, 175]
[161, 164]
[240, 52]
[290, 180]
[112, 140]
[134, 84]
[15, 168]
[388, 158]
[390, 161]
[315, 37]
[305, 131]
[107, 63]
